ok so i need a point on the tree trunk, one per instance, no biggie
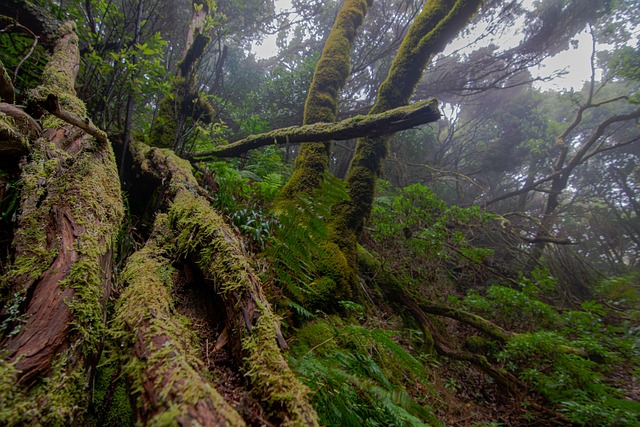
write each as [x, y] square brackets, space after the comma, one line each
[321, 105]
[57, 288]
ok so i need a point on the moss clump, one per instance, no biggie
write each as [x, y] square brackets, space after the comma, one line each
[57, 400]
[318, 336]
[480, 345]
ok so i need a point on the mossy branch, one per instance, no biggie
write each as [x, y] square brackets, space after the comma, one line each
[359, 126]
[52, 105]
[480, 323]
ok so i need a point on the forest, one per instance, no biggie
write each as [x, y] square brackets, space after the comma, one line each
[403, 214]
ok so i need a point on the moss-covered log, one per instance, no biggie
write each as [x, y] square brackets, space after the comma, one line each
[396, 120]
[55, 293]
[437, 24]
[161, 360]
[321, 105]
[203, 237]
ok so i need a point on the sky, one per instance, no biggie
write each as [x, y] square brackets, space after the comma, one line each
[575, 61]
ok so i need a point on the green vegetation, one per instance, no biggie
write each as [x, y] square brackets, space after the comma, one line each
[483, 270]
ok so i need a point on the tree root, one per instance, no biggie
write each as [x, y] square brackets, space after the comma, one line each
[203, 237]
[162, 363]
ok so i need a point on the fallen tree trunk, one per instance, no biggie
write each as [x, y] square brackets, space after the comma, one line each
[389, 122]
[203, 237]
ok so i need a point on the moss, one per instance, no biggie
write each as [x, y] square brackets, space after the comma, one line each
[145, 315]
[111, 397]
[438, 22]
[202, 236]
[321, 104]
[332, 69]
[478, 344]
[272, 378]
[318, 336]
[57, 400]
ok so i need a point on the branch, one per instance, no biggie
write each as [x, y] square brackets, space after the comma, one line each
[53, 106]
[395, 120]
[480, 323]
[23, 119]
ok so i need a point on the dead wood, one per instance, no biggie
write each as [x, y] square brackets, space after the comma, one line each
[396, 120]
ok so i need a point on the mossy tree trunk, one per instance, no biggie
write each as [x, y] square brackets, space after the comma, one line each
[55, 292]
[202, 237]
[433, 28]
[321, 105]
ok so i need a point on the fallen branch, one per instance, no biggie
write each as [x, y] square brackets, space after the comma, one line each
[373, 125]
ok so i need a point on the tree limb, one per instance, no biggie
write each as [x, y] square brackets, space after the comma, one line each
[24, 119]
[395, 120]
[53, 106]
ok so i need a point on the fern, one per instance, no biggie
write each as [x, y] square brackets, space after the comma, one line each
[358, 376]
[298, 243]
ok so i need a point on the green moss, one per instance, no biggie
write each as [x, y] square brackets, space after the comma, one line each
[202, 236]
[480, 345]
[272, 378]
[57, 400]
[319, 336]
[108, 384]
[145, 314]
[321, 105]
[438, 22]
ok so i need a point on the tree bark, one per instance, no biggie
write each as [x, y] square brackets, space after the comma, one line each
[57, 288]
[160, 361]
[396, 120]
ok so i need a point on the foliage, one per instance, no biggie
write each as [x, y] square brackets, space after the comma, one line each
[360, 375]
[301, 243]
[244, 191]
[574, 381]
[422, 227]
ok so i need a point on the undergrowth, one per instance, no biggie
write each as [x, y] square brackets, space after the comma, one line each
[580, 361]
[360, 375]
